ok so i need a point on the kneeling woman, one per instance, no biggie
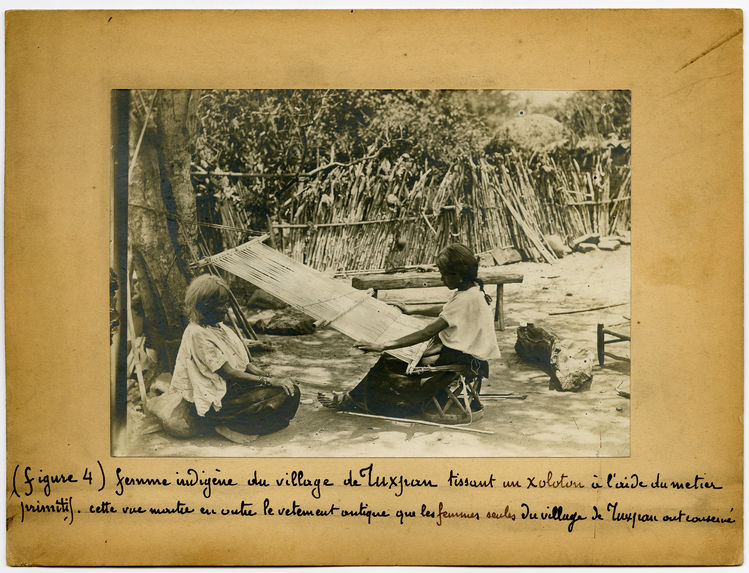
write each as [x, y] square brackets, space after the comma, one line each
[214, 373]
[462, 335]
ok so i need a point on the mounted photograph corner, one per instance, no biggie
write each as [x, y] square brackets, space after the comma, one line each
[370, 273]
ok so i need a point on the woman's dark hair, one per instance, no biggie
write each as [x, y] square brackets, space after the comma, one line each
[459, 260]
[204, 295]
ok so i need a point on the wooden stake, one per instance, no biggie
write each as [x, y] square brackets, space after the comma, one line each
[133, 347]
[587, 309]
[410, 421]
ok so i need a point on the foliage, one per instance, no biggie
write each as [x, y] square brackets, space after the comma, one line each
[287, 142]
[279, 134]
[600, 113]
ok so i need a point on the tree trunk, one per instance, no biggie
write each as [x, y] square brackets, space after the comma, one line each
[162, 217]
[177, 127]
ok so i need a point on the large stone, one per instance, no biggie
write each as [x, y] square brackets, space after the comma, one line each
[486, 259]
[506, 255]
[612, 238]
[284, 321]
[588, 238]
[572, 367]
[608, 244]
[556, 244]
[586, 247]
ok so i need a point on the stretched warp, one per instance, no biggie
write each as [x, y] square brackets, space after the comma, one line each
[323, 298]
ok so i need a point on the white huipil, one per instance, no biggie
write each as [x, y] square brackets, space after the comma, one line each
[470, 324]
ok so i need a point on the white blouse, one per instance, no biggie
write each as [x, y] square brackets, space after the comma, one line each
[203, 351]
[470, 324]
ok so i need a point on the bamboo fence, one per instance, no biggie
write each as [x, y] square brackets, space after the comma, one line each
[348, 218]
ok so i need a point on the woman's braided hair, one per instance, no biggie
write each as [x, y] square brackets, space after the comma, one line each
[459, 260]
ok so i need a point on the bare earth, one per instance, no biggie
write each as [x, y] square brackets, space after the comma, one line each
[546, 424]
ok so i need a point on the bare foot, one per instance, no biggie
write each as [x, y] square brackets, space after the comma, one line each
[335, 400]
[236, 437]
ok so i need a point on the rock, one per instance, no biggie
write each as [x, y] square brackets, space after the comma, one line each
[586, 247]
[588, 238]
[572, 367]
[610, 238]
[624, 237]
[556, 244]
[506, 255]
[284, 321]
[608, 245]
[486, 259]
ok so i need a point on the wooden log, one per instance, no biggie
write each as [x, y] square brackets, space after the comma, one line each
[489, 275]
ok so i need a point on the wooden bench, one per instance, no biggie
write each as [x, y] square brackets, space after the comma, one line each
[489, 275]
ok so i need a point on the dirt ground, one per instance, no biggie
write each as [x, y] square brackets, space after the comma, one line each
[546, 424]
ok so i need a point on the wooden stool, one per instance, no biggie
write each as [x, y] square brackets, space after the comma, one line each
[619, 332]
[464, 389]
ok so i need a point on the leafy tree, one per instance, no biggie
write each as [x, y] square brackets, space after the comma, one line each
[599, 113]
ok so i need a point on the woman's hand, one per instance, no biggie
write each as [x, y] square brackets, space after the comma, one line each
[287, 386]
[400, 306]
[252, 369]
[370, 347]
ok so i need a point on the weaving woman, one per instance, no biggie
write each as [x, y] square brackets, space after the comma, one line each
[463, 334]
[214, 374]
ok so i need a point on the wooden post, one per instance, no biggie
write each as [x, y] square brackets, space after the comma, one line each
[270, 232]
[499, 309]
[281, 237]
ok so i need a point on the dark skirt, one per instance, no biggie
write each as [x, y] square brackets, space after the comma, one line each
[387, 390]
[255, 411]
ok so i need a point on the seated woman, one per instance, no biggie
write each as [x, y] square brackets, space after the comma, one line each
[462, 335]
[214, 374]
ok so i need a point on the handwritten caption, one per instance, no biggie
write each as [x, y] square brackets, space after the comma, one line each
[39, 493]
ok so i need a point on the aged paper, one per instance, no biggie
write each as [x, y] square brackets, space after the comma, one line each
[675, 499]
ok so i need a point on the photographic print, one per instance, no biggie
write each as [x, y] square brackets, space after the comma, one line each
[370, 288]
[400, 273]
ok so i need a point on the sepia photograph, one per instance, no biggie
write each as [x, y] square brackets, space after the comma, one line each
[379, 273]
[370, 284]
